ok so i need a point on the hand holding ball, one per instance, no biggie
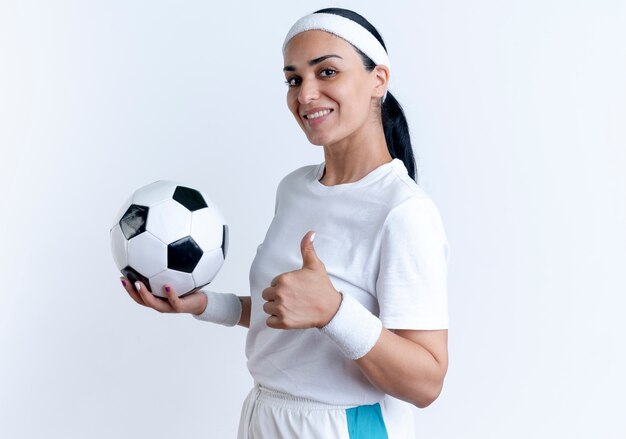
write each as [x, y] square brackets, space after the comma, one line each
[168, 233]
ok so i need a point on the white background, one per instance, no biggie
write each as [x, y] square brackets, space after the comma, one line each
[517, 111]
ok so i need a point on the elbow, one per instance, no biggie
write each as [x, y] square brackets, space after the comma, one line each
[429, 393]
[426, 398]
[423, 403]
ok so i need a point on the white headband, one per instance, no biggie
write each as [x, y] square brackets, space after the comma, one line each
[345, 28]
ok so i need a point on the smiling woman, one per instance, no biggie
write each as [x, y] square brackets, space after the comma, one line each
[340, 31]
[346, 335]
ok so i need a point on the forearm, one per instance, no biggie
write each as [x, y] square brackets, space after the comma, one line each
[403, 369]
[246, 305]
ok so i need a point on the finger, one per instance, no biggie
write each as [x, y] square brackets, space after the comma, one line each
[173, 299]
[269, 308]
[309, 257]
[274, 322]
[277, 279]
[150, 300]
[269, 293]
[128, 286]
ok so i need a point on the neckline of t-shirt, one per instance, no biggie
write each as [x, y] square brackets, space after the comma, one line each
[372, 175]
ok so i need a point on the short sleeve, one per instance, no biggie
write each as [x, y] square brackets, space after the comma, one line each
[411, 286]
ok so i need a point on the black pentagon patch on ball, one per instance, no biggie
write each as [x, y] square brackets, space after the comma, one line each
[224, 240]
[190, 198]
[133, 275]
[133, 222]
[183, 255]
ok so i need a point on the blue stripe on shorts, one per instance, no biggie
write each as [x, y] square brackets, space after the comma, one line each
[366, 422]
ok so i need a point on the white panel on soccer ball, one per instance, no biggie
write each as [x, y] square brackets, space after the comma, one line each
[154, 193]
[206, 228]
[213, 206]
[147, 254]
[169, 221]
[181, 282]
[217, 213]
[208, 266]
[122, 210]
[119, 247]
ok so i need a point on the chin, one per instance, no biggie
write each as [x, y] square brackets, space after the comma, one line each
[316, 140]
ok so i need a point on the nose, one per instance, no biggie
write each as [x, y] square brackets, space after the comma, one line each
[308, 92]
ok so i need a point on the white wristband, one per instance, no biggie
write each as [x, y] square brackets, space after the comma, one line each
[353, 328]
[221, 308]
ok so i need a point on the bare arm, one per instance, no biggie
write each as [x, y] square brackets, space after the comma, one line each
[408, 364]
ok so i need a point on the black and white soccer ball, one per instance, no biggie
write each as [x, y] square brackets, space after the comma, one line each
[169, 233]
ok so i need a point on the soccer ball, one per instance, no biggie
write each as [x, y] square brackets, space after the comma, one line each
[169, 233]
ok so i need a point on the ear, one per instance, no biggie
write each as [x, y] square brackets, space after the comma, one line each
[380, 78]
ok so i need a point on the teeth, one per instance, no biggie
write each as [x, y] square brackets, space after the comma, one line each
[318, 114]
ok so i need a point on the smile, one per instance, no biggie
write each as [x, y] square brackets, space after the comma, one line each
[317, 114]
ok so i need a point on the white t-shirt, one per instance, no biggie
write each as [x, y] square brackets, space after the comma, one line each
[382, 241]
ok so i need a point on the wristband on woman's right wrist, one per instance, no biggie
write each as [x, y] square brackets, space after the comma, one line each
[221, 308]
[353, 328]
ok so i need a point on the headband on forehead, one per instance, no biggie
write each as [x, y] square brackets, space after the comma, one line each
[343, 27]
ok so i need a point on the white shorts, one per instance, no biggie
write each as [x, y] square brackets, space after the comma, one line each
[270, 414]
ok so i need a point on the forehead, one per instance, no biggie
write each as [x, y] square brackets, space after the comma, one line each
[314, 43]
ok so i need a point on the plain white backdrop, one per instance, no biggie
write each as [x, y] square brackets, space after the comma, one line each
[517, 112]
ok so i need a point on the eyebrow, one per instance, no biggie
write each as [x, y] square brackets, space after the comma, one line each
[311, 62]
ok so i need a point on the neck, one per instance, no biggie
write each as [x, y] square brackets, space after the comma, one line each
[355, 156]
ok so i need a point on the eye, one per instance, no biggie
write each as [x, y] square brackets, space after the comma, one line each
[333, 72]
[293, 81]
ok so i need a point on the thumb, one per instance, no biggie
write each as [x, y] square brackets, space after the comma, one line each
[309, 257]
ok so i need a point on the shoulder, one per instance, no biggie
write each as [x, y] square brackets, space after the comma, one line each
[404, 197]
[414, 217]
[411, 212]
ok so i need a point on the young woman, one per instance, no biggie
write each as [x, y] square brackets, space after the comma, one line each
[342, 331]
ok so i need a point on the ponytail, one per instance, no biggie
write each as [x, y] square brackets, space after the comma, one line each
[397, 133]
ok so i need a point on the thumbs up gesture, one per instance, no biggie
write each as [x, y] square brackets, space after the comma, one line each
[303, 298]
